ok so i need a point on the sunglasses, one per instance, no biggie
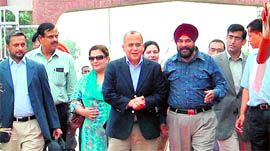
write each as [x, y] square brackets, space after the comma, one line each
[100, 57]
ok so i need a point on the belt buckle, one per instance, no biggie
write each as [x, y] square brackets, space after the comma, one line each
[191, 112]
[18, 118]
[203, 109]
[264, 106]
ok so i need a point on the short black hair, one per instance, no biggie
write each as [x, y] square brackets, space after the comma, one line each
[84, 67]
[217, 40]
[237, 27]
[14, 33]
[255, 25]
[43, 27]
[35, 36]
[148, 43]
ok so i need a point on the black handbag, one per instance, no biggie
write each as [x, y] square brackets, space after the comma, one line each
[55, 145]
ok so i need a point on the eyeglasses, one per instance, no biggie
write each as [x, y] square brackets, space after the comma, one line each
[235, 37]
[100, 57]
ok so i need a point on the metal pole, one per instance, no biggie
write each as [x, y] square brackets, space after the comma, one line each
[109, 17]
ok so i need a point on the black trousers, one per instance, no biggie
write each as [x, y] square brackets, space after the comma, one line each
[259, 129]
[80, 138]
[63, 114]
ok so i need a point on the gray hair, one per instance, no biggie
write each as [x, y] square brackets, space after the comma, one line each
[132, 32]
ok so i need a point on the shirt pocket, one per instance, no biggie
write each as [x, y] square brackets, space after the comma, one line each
[202, 80]
[173, 76]
[60, 77]
[201, 76]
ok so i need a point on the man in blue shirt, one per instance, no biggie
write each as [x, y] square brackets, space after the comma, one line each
[195, 83]
[26, 103]
[257, 100]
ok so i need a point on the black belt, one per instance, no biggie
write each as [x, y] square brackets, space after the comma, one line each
[263, 106]
[24, 119]
[191, 111]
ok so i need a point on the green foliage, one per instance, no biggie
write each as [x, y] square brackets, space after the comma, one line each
[72, 47]
[9, 16]
[29, 32]
[25, 18]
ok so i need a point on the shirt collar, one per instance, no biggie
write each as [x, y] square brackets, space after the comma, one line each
[230, 57]
[56, 52]
[129, 63]
[11, 61]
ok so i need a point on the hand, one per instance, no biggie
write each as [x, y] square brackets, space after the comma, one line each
[266, 19]
[137, 103]
[209, 96]
[57, 133]
[164, 130]
[91, 113]
[6, 130]
[239, 124]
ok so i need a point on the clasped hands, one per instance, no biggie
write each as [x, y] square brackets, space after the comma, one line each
[137, 103]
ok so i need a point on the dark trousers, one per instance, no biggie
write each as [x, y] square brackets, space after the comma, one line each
[63, 113]
[80, 138]
[259, 129]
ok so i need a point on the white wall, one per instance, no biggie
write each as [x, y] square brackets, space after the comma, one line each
[155, 21]
[25, 5]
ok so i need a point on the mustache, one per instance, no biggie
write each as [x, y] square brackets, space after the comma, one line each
[54, 42]
[190, 49]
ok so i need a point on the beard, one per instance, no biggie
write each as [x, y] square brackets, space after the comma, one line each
[18, 57]
[188, 54]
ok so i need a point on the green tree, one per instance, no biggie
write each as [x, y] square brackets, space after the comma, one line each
[29, 32]
[9, 16]
[74, 51]
[25, 18]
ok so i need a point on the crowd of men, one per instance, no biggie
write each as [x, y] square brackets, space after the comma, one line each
[197, 99]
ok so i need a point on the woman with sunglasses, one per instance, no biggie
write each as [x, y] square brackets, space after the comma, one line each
[94, 109]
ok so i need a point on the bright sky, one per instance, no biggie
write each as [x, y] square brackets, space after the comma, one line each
[154, 21]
